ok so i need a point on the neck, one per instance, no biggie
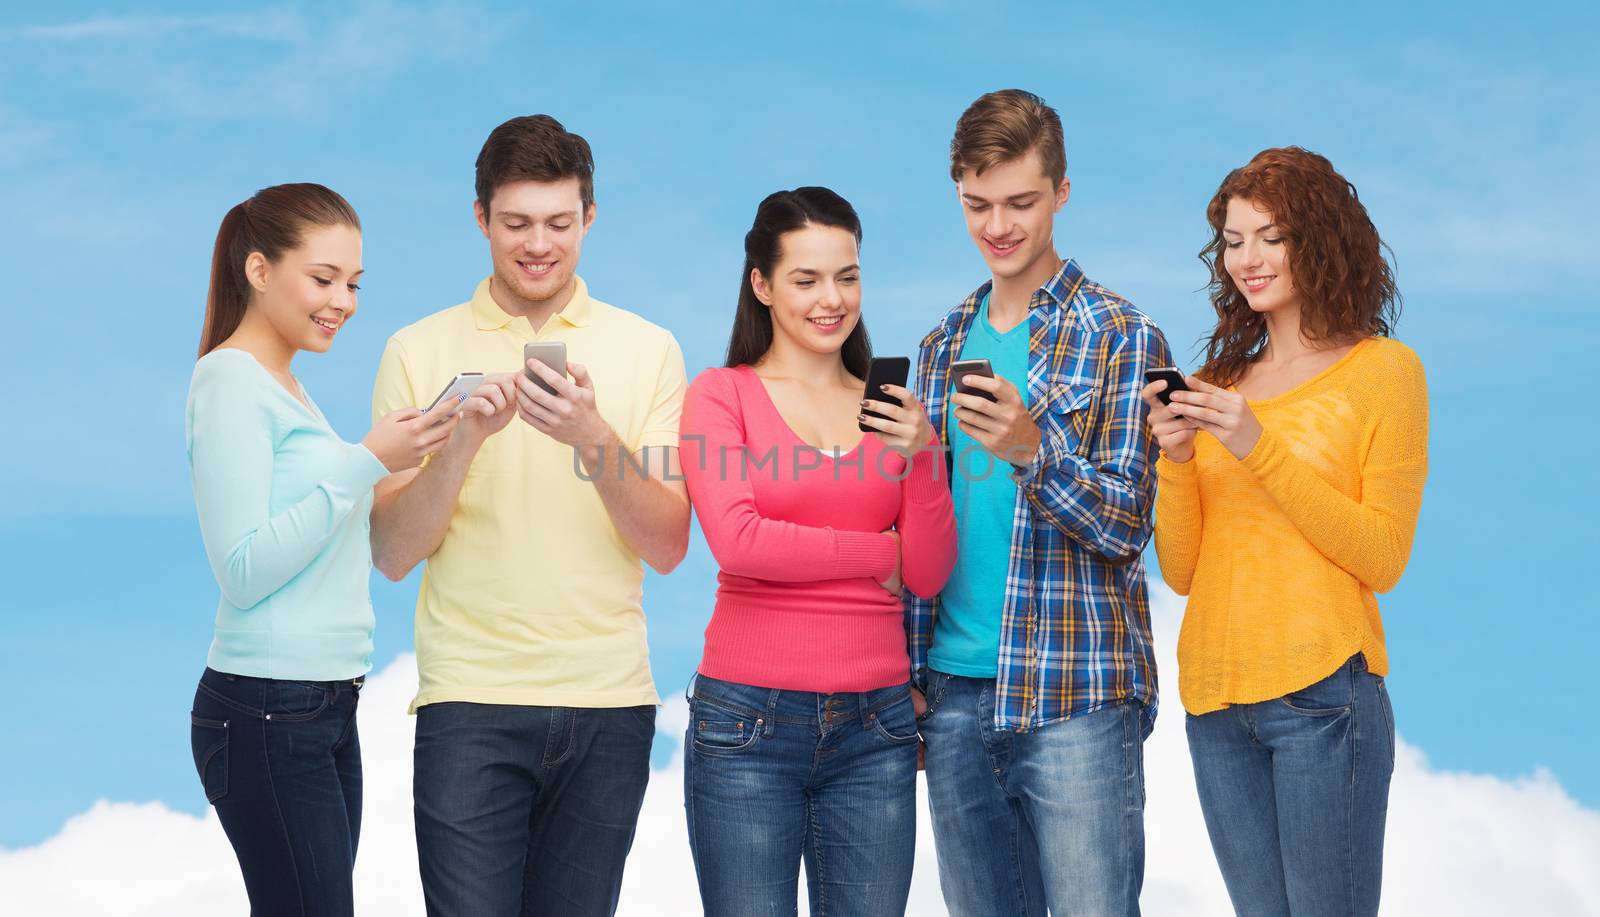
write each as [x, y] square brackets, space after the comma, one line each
[785, 360]
[1009, 297]
[1284, 336]
[256, 336]
[536, 311]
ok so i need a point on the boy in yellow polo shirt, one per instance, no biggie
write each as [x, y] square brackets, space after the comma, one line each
[536, 707]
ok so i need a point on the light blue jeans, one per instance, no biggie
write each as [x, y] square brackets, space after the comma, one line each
[1295, 792]
[1027, 821]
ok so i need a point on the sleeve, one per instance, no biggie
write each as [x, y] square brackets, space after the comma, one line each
[1178, 520]
[1105, 502]
[393, 389]
[232, 451]
[1370, 538]
[666, 400]
[927, 525]
[744, 542]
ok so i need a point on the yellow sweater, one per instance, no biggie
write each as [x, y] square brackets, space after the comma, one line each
[1280, 553]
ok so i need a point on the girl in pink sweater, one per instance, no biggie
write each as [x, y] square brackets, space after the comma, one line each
[802, 743]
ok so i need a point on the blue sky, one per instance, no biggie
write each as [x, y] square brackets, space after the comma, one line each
[125, 135]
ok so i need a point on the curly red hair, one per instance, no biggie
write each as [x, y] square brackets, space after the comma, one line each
[1335, 255]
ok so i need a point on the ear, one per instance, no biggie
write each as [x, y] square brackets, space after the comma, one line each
[1062, 193]
[588, 219]
[482, 217]
[759, 284]
[255, 271]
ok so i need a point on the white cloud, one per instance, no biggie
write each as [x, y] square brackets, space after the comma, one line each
[1458, 844]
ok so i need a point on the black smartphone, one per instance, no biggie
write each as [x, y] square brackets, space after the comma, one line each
[884, 371]
[971, 368]
[1169, 375]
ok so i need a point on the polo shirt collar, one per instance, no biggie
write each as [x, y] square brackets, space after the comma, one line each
[488, 315]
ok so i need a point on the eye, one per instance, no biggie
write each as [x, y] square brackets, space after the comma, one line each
[977, 208]
[354, 287]
[323, 281]
[560, 227]
[516, 227]
[1277, 241]
[804, 283]
[1023, 206]
[1234, 244]
[850, 279]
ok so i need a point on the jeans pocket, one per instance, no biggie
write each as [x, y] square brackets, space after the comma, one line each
[1388, 718]
[933, 694]
[719, 732]
[208, 741]
[896, 723]
[296, 701]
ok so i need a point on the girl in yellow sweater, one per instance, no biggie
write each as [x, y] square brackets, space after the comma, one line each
[1280, 523]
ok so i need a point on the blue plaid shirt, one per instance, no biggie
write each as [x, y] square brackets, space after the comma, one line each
[1075, 628]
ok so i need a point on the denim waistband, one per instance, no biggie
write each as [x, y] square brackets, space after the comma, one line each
[778, 705]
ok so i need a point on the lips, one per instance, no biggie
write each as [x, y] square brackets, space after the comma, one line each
[1001, 249]
[827, 323]
[536, 268]
[328, 327]
[1257, 284]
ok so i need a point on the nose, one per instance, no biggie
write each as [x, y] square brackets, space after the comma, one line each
[1250, 254]
[830, 295]
[536, 242]
[996, 225]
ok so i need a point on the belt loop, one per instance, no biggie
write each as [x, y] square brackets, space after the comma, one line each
[772, 712]
[688, 687]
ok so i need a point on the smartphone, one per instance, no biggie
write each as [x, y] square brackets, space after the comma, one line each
[551, 353]
[1172, 377]
[884, 371]
[971, 368]
[455, 394]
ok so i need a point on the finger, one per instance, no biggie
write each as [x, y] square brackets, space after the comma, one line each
[493, 393]
[979, 421]
[556, 380]
[1151, 389]
[982, 383]
[1200, 414]
[580, 375]
[892, 411]
[973, 403]
[403, 415]
[530, 390]
[1201, 385]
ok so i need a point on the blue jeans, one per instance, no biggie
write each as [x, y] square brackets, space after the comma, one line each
[281, 762]
[1295, 793]
[527, 810]
[1025, 821]
[772, 777]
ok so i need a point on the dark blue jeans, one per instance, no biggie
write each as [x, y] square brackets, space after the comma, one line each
[1025, 821]
[773, 777]
[1295, 793]
[527, 810]
[281, 762]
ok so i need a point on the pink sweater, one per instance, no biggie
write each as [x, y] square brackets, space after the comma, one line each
[798, 537]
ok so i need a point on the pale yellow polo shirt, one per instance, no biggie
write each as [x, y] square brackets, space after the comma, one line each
[533, 598]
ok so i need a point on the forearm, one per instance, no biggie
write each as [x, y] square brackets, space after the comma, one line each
[644, 497]
[927, 526]
[1178, 521]
[409, 518]
[1101, 509]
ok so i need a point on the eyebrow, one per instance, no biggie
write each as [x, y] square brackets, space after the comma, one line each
[1226, 230]
[335, 267]
[1013, 199]
[813, 272]
[515, 215]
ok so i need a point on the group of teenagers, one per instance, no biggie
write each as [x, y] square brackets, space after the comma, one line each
[945, 575]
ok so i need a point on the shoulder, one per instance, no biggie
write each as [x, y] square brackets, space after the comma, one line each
[1392, 370]
[429, 327]
[1105, 311]
[1392, 355]
[717, 383]
[639, 331]
[226, 369]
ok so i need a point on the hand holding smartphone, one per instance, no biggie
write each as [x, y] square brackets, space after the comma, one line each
[551, 353]
[880, 372]
[1169, 375]
[454, 395]
[962, 368]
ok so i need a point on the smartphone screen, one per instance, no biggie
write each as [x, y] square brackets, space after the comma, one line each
[1172, 377]
[884, 371]
[971, 368]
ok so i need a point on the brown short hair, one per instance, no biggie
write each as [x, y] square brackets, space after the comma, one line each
[534, 148]
[1346, 286]
[1002, 127]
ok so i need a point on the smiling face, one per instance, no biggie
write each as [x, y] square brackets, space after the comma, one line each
[308, 294]
[1010, 210]
[1256, 258]
[535, 231]
[814, 293]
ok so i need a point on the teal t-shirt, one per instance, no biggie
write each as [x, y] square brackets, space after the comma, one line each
[966, 635]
